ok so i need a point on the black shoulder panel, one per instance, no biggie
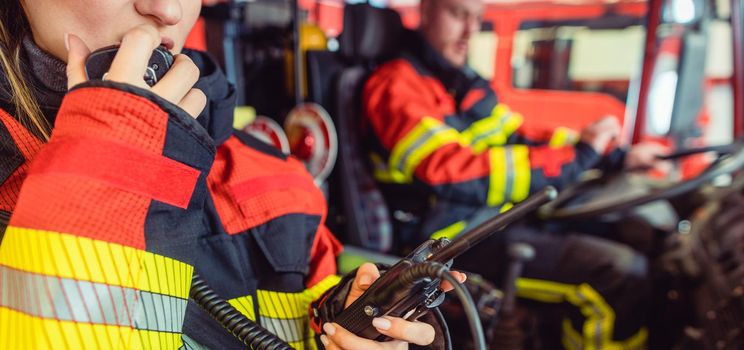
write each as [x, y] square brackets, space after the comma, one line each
[259, 145]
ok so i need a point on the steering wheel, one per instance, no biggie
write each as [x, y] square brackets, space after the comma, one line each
[603, 194]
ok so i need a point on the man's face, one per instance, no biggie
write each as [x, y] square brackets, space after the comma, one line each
[448, 25]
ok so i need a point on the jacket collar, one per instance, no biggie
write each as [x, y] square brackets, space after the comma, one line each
[48, 81]
[457, 81]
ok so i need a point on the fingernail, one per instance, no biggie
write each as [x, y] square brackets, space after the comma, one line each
[365, 280]
[329, 329]
[381, 323]
[324, 340]
[67, 41]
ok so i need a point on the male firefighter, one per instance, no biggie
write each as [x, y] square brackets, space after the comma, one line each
[443, 147]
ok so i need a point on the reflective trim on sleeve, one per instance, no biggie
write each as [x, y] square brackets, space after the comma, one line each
[509, 176]
[424, 139]
[563, 136]
[493, 130]
[67, 299]
[286, 314]
[64, 291]
[450, 231]
[68, 256]
[522, 173]
[21, 331]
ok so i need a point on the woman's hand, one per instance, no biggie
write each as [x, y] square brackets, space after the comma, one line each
[404, 332]
[130, 64]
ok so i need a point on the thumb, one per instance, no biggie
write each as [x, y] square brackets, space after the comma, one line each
[77, 53]
[365, 276]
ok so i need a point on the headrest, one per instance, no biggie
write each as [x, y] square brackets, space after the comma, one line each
[370, 33]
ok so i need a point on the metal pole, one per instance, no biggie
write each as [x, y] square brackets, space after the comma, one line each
[296, 51]
[649, 60]
[738, 77]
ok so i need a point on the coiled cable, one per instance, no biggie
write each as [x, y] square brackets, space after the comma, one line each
[438, 270]
[247, 331]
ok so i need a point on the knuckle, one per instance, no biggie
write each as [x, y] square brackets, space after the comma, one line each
[192, 72]
[187, 67]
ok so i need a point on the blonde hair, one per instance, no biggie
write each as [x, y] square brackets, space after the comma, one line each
[27, 111]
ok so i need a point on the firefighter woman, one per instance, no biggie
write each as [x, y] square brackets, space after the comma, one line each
[444, 148]
[114, 193]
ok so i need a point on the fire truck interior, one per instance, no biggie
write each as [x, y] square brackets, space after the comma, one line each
[669, 70]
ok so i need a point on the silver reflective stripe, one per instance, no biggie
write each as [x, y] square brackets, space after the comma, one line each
[68, 299]
[191, 344]
[494, 131]
[509, 186]
[418, 143]
[290, 330]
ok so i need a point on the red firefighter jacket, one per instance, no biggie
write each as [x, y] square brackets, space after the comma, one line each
[436, 129]
[110, 218]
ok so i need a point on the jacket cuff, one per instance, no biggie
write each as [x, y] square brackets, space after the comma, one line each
[586, 157]
[331, 303]
[614, 161]
[125, 113]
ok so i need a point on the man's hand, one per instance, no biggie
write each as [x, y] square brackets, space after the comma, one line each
[404, 332]
[601, 134]
[645, 156]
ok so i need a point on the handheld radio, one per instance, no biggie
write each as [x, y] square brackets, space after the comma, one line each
[411, 286]
[99, 62]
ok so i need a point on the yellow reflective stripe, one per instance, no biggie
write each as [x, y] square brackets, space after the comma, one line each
[425, 138]
[563, 136]
[522, 173]
[286, 314]
[509, 178]
[293, 305]
[383, 173]
[68, 256]
[323, 286]
[245, 306]
[545, 291]
[493, 130]
[637, 341]
[281, 305]
[571, 338]
[488, 125]
[506, 207]
[497, 177]
[600, 318]
[450, 231]
[21, 331]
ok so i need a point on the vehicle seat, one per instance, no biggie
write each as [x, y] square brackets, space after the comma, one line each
[335, 81]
